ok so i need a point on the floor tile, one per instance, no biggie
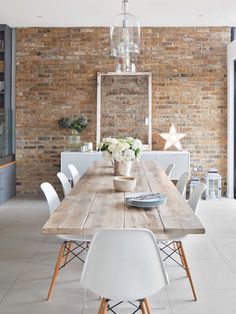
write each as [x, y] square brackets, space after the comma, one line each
[27, 260]
[209, 302]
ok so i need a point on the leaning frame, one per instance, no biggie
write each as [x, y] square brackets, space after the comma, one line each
[148, 145]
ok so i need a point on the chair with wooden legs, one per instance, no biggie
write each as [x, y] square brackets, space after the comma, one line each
[124, 265]
[66, 186]
[182, 182]
[169, 170]
[175, 246]
[67, 253]
[74, 174]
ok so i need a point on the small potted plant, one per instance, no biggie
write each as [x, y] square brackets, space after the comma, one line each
[76, 127]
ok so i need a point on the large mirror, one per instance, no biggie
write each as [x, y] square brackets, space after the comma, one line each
[124, 106]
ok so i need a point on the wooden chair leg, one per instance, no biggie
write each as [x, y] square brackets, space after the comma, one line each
[177, 246]
[149, 311]
[68, 247]
[56, 270]
[187, 271]
[143, 307]
[102, 304]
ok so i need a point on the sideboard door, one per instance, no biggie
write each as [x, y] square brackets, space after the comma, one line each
[81, 161]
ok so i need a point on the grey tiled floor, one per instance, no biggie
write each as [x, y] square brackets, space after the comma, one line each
[27, 260]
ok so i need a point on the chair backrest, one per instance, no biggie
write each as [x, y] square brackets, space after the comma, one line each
[74, 173]
[182, 182]
[196, 196]
[64, 182]
[51, 196]
[169, 170]
[124, 264]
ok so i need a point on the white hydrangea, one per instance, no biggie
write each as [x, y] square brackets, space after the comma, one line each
[107, 155]
[125, 149]
[112, 148]
[122, 146]
[137, 144]
[113, 141]
[129, 154]
[118, 156]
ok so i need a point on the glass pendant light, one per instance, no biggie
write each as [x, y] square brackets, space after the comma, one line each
[125, 38]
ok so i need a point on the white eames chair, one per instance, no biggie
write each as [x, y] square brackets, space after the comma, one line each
[182, 182]
[169, 170]
[124, 265]
[74, 174]
[175, 245]
[196, 196]
[65, 183]
[80, 243]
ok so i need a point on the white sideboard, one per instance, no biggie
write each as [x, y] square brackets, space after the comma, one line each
[83, 160]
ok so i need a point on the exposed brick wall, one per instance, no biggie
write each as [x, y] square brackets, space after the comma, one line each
[56, 77]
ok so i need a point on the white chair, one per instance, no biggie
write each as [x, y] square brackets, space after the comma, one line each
[74, 173]
[124, 265]
[175, 246]
[65, 183]
[182, 182]
[169, 170]
[196, 196]
[81, 243]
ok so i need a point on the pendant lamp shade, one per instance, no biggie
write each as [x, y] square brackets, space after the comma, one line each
[125, 34]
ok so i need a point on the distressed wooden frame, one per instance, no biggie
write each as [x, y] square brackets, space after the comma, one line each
[147, 146]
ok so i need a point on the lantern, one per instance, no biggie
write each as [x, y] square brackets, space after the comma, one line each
[193, 183]
[125, 40]
[213, 184]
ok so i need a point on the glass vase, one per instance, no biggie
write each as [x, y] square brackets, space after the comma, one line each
[74, 141]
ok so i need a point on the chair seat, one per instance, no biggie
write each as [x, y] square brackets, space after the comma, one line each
[73, 237]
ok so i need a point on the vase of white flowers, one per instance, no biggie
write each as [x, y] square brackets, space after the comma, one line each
[122, 168]
[122, 151]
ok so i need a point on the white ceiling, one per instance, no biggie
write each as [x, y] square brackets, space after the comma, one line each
[24, 13]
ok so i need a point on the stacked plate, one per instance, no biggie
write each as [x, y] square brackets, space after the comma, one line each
[145, 199]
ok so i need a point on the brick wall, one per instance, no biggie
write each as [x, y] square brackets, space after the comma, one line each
[56, 77]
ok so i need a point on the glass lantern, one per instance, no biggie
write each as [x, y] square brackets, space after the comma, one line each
[213, 184]
[125, 39]
[194, 182]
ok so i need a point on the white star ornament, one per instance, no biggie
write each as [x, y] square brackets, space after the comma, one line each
[172, 138]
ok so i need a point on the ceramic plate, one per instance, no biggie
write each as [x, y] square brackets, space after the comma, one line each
[161, 201]
[145, 197]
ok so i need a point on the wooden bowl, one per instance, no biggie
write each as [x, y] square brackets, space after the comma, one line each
[124, 184]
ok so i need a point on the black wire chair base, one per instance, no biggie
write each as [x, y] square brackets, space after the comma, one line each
[137, 307]
[78, 249]
[175, 249]
[172, 250]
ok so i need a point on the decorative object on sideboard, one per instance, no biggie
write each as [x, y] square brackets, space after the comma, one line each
[125, 40]
[213, 185]
[76, 126]
[172, 138]
[122, 151]
[124, 106]
[194, 182]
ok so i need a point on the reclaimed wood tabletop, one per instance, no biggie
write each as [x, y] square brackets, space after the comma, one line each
[93, 204]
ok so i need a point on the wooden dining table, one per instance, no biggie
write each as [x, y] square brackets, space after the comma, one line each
[94, 204]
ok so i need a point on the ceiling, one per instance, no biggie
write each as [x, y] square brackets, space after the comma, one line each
[61, 13]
